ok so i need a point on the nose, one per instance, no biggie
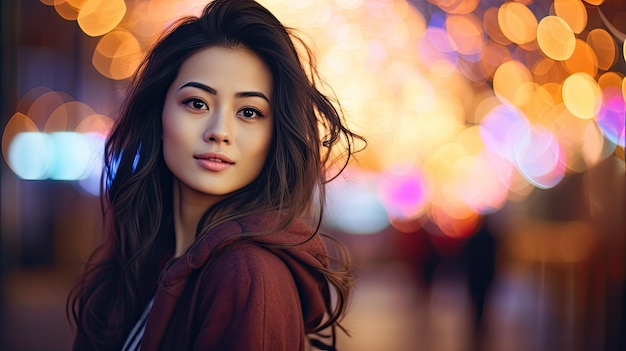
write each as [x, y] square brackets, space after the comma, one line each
[218, 128]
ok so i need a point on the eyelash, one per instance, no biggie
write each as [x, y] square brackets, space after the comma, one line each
[189, 102]
[255, 110]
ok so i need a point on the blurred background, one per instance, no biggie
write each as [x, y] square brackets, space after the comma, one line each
[487, 213]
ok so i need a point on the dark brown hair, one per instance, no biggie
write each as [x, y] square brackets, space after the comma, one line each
[137, 186]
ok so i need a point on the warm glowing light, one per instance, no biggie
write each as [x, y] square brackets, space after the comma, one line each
[98, 17]
[517, 22]
[548, 70]
[555, 38]
[466, 33]
[513, 83]
[117, 55]
[349, 4]
[67, 116]
[612, 80]
[41, 109]
[65, 9]
[584, 59]
[455, 222]
[457, 7]
[573, 12]
[594, 144]
[601, 42]
[95, 123]
[595, 2]
[490, 21]
[493, 56]
[582, 95]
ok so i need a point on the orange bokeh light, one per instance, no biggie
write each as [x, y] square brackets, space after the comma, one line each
[117, 55]
[517, 22]
[584, 59]
[513, 82]
[555, 38]
[98, 17]
[604, 46]
[573, 12]
[466, 32]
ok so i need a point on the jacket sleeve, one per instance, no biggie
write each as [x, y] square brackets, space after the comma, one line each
[249, 302]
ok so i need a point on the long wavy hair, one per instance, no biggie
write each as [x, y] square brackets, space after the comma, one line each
[137, 199]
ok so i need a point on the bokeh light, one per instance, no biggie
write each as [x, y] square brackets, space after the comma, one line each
[465, 104]
[556, 38]
[98, 17]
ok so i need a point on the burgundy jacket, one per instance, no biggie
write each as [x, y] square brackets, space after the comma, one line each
[243, 297]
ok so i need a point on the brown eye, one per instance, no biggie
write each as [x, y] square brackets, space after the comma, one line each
[250, 113]
[196, 104]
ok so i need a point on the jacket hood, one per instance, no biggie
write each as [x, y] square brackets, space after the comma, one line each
[303, 253]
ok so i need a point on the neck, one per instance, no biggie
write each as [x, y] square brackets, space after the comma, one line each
[189, 206]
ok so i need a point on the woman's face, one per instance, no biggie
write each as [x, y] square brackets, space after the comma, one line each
[217, 122]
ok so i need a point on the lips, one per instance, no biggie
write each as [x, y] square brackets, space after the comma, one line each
[214, 157]
[213, 162]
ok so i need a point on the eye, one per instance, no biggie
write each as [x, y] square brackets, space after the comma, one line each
[250, 113]
[196, 104]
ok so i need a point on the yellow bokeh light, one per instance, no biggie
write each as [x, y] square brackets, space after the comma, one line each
[98, 17]
[584, 59]
[466, 32]
[555, 38]
[47, 2]
[117, 55]
[573, 12]
[517, 22]
[604, 46]
[513, 82]
[582, 95]
[595, 2]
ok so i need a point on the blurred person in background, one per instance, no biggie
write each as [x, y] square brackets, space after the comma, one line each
[479, 261]
[213, 184]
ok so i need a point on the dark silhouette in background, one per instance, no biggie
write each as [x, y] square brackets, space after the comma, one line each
[479, 260]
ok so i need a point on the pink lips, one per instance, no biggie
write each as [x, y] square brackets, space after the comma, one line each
[213, 161]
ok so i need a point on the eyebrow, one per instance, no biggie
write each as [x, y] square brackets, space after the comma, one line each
[212, 91]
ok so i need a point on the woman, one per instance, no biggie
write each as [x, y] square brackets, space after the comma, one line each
[210, 173]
